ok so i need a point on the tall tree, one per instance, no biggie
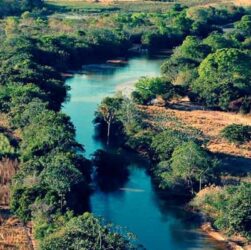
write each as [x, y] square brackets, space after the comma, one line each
[108, 109]
[190, 163]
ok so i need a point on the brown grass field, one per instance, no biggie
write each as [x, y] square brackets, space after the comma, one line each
[209, 122]
[14, 235]
[99, 3]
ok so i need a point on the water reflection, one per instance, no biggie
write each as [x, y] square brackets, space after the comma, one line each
[111, 170]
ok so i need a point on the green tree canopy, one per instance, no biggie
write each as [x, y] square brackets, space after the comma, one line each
[217, 40]
[190, 162]
[192, 49]
[86, 232]
[223, 77]
[147, 89]
[244, 25]
[181, 67]
[108, 112]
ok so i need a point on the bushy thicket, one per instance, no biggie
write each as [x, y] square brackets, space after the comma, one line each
[15, 7]
[214, 69]
[6, 149]
[148, 89]
[230, 207]
[84, 232]
[237, 133]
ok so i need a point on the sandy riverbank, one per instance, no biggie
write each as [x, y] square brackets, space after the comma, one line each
[220, 237]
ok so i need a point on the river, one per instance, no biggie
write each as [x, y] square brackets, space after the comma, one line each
[134, 204]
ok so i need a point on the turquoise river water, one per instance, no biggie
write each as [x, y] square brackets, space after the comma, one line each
[159, 224]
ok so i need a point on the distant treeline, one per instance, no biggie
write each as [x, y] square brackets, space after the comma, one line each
[15, 7]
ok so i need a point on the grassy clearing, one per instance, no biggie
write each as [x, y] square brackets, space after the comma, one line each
[128, 6]
[133, 5]
[210, 123]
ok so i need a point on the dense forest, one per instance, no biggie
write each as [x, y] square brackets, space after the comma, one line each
[209, 66]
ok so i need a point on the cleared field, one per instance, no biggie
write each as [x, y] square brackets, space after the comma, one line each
[110, 6]
[85, 7]
[127, 4]
[210, 123]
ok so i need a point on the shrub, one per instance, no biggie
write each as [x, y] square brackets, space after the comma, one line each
[5, 146]
[86, 232]
[237, 133]
[229, 207]
[164, 143]
[147, 89]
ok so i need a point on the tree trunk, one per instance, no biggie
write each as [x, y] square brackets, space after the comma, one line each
[100, 238]
[108, 131]
[61, 201]
[200, 182]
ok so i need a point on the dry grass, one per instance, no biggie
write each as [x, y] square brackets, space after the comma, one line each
[242, 2]
[99, 3]
[3, 120]
[210, 123]
[14, 235]
[8, 169]
[5, 126]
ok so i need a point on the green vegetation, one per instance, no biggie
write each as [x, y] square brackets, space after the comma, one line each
[165, 142]
[53, 173]
[214, 79]
[214, 69]
[189, 162]
[244, 25]
[147, 89]
[237, 133]
[223, 77]
[108, 110]
[6, 149]
[82, 232]
[230, 207]
[13, 7]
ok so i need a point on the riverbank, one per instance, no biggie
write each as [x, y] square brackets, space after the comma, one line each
[220, 237]
[154, 128]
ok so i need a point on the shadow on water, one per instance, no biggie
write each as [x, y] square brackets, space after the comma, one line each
[111, 170]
